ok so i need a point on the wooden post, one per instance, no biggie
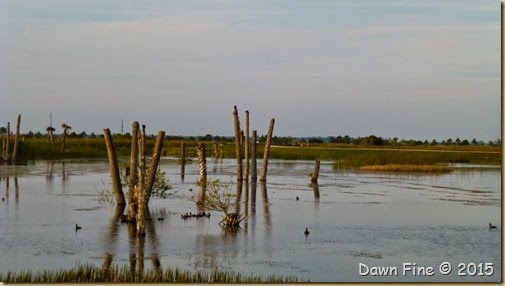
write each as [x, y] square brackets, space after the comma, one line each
[3, 149]
[114, 169]
[246, 147]
[315, 174]
[254, 170]
[154, 164]
[200, 150]
[183, 160]
[65, 129]
[221, 147]
[214, 150]
[7, 156]
[263, 176]
[140, 189]
[134, 163]
[14, 152]
[237, 143]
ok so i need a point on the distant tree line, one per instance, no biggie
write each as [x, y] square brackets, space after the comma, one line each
[371, 140]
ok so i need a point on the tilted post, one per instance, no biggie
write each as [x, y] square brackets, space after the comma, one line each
[237, 143]
[114, 169]
[263, 176]
[200, 150]
[15, 151]
[154, 164]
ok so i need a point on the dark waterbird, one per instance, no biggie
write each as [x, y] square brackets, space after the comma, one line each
[306, 232]
[297, 198]
[77, 227]
[491, 226]
[161, 218]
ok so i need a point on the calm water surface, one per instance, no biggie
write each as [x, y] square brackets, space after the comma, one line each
[378, 220]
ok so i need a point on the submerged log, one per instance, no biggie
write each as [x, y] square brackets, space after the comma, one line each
[114, 169]
[264, 167]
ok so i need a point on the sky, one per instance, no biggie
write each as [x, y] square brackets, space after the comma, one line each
[407, 69]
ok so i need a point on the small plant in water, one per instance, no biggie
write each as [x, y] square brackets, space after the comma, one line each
[218, 197]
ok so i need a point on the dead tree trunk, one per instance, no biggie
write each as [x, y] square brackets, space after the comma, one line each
[237, 143]
[246, 147]
[254, 170]
[263, 176]
[154, 164]
[114, 169]
[315, 174]
[134, 161]
[200, 150]
[14, 152]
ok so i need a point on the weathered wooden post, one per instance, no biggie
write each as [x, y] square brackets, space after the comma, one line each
[7, 156]
[133, 180]
[114, 169]
[315, 174]
[50, 134]
[254, 169]
[3, 150]
[237, 143]
[214, 150]
[246, 147]
[263, 176]
[15, 151]
[200, 150]
[221, 151]
[182, 160]
[154, 164]
[140, 190]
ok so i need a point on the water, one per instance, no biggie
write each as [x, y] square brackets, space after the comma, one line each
[378, 220]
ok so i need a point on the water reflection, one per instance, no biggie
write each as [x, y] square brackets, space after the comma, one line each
[268, 219]
[315, 190]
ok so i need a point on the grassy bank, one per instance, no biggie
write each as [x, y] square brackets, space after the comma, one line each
[93, 274]
[345, 155]
[424, 168]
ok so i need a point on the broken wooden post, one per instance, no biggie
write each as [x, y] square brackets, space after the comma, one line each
[200, 150]
[315, 174]
[65, 127]
[114, 169]
[237, 143]
[254, 170]
[246, 147]
[263, 176]
[154, 164]
[133, 179]
[14, 152]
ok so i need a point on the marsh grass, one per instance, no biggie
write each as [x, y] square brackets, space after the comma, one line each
[93, 274]
[424, 168]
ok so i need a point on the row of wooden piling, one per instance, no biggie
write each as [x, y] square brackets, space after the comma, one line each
[5, 156]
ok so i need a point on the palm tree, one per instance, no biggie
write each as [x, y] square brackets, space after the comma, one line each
[50, 133]
[65, 127]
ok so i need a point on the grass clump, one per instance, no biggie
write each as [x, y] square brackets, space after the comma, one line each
[93, 274]
[424, 168]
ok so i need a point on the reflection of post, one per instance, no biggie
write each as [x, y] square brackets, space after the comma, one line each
[63, 173]
[254, 170]
[315, 189]
[132, 239]
[238, 197]
[49, 175]
[266, 207]
[112, 236]
[153, 238]
[253, 196]
[140, 255]
[7, 188]
[16, 189]
[246, 204]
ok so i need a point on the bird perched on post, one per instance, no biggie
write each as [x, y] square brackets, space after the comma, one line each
[306, 232]
[77, 227]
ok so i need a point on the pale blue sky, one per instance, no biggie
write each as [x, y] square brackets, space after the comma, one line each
[407, 69]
